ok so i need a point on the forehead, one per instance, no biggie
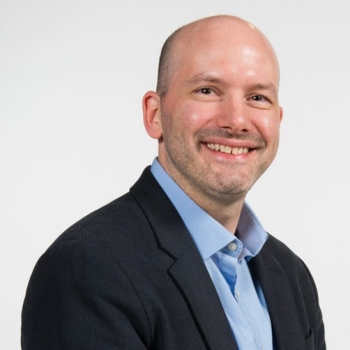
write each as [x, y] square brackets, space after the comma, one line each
[223, 49]
[226, 65]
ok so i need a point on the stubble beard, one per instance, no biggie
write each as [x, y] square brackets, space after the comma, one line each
[200, 180]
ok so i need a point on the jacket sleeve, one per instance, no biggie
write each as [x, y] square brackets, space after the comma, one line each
[79, 298]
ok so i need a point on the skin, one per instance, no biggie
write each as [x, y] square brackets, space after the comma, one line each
[223, 90]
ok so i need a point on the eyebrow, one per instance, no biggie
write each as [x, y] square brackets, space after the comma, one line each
[202, 77]
[268, 86]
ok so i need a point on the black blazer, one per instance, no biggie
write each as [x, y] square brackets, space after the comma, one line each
[129, 276]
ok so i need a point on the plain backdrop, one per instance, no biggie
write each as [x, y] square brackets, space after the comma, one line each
[72, 77]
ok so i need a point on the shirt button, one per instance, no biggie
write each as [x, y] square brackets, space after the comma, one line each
[238, 294]
[232, 246]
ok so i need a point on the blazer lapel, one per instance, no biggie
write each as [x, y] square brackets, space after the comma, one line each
[188, 271]
[196, 286]
[280, 301]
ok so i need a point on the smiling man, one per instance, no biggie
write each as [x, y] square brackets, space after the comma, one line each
[216, 115]
[181, 261]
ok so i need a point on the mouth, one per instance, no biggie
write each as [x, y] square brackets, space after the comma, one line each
[227, 149]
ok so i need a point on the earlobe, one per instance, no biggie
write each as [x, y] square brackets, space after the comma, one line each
[151, 114]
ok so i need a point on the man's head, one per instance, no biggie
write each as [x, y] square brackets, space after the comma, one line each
[166, 60]
[216, 113]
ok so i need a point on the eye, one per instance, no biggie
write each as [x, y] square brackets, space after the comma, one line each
[205, 91]
[207, 94]
[258, 98]
[260, 101]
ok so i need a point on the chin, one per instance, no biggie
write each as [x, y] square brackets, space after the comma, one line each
[231, 191]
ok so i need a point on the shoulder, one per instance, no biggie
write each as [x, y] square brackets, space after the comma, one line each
[120, 220]
[105, 222]
[279, 257]
[281, 254]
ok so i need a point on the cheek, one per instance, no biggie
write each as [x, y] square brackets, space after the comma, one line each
[269, 128]
[189, 118]
[197, 115]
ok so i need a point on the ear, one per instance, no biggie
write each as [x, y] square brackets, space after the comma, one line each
[151, 114]
[281, 113]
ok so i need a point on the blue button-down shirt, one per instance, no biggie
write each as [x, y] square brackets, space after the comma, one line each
[225, 256]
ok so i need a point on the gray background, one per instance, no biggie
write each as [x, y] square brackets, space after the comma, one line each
[72, 76]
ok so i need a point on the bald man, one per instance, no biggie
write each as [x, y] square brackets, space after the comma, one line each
[181, 261]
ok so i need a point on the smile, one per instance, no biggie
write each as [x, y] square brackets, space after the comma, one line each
[227, 149]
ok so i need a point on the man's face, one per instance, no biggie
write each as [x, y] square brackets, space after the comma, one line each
[220, 117]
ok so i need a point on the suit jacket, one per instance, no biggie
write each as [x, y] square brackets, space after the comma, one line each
[129, 276]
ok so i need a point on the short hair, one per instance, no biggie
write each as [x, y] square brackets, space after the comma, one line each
[166, 63]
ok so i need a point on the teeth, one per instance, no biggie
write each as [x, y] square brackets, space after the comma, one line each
[227, 149]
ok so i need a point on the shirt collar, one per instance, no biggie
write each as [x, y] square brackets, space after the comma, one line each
[208, 234]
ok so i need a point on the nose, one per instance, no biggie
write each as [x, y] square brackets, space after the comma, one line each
[233, 115]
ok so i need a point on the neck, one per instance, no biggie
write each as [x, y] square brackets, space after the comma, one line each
[226, 212]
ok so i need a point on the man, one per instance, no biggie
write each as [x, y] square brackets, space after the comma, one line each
[181, 261]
